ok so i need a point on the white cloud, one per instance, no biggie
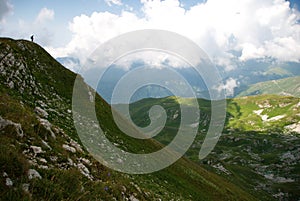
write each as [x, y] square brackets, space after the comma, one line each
[250, 51]
[113, 2]
[44, 15]
[227, 60]
[257, 29]
[229, 86]
[283, 48]
[155, 59]
[5, 8]
[90, 31]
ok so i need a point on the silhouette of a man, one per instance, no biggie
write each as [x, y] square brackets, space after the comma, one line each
[31, 37]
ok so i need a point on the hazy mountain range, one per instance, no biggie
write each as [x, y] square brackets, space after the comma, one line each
[238, 81]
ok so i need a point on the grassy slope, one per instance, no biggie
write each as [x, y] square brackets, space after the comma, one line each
[38, 80]
[243, 116]
[287, 86]
[250, 148]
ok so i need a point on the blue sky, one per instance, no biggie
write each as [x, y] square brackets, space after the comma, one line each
[65, 11]
[255, 29]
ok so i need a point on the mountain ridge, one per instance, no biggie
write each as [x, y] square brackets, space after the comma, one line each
[286, 87]
[41, 154]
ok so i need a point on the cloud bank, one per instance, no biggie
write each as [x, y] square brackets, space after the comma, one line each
[229, 31]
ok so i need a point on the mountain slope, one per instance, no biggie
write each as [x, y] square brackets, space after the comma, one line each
[41, 156]
[286, 87]
[264, 113]
[259, 147]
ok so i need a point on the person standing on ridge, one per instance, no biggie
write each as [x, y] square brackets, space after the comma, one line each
[31, 37]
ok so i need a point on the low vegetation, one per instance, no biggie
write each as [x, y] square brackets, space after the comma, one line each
[259, 147]
[42, 158]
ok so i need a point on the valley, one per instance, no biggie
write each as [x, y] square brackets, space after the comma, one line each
[150, 100]
[259, 147]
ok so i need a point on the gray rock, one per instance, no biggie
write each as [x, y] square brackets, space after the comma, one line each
[32, 174]
[4, 123]
[69, 148]
[132, 198]
[8, 182]
[42, 113]
[25, 187]
[47, 126]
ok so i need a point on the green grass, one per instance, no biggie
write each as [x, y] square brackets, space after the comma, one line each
[47, 84]
[243, 117]
[287, 86]
[267, 141]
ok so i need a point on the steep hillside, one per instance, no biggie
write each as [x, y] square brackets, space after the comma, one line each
[259, 147]
[41, 156]
[286, 87]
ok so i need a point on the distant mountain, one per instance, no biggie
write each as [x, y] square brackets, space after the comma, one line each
[71, 63]
[255, 71]
[41, 155]
[115, 73]
[245, 74]
[286, 87]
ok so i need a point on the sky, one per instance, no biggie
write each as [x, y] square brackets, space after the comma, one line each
[229, 31]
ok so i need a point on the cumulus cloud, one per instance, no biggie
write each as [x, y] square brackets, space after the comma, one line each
[113, 2]
[5, 8]
[256, 29]
[44, 15]
[229, 86]
[90, 31]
